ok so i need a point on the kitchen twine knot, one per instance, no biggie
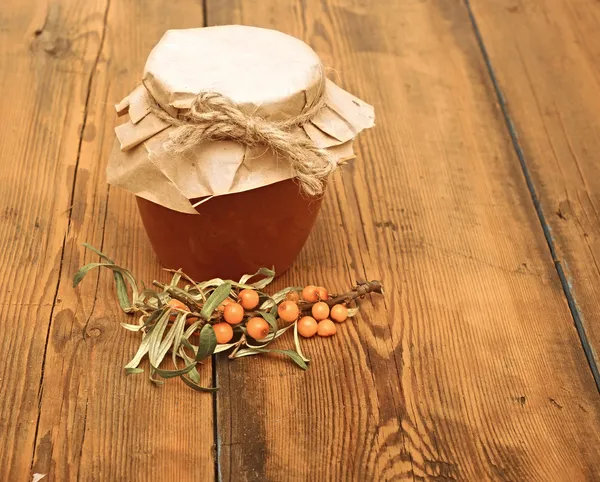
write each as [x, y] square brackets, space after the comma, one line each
[214, 116]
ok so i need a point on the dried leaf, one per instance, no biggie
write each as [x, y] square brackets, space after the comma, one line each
[147, 341]
[270, 319]
[353, 311]
[224, 347]
[174, 373]
[215, 299]
[197, 387]
[289, 353]
[297, 343]
[259, 285]
[208, 342]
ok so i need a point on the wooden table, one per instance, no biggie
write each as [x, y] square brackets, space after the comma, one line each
[475, 200]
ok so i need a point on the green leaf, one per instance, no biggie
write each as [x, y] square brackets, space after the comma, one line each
[215, 299]
[289, 353]
[194, 375]
[197, 387]
[98, 252]
[207, 344]
[173, 373]
[84, 270]
[132, 371]
[294, 356]
[270, 319]
[122, 294]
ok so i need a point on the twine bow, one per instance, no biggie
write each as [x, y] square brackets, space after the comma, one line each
[214, 116]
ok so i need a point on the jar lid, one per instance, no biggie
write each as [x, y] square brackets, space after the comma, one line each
[266, 73]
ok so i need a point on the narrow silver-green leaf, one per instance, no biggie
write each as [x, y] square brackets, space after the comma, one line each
[194, 375]
[158, 331]
[269, 276]
[207, 344]
[132, 371]
[294, 356]
[147, 340]
[197, 387]
[174, 373]
[224, 347]
[98, 252]
[81, 272]
[270, 319]
[297, 343]
[289, 353]
[122, 295]
[129, 327]
[215, 299]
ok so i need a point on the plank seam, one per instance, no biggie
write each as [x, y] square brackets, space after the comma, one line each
[63, 249]
[564, 281]
[215, 375]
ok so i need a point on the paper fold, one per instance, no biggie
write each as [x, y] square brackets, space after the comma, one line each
[139, 162]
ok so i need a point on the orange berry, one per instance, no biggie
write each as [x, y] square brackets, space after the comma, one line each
[322, 293]
[233, 313]
[257, 328]
[223, 304]
[339, 313]
[326, 328]
[310, 293]
[320, 310]
[248, 299]
[288, 311]
[293, 296]
[307, 326]
[223, 331]
[178, 305]
[173, 303]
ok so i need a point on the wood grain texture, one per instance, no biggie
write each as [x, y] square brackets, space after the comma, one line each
[67, 408]
[546, 56]
[470, 368]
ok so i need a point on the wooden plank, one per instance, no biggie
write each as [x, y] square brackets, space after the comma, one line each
[43, 74]
[67, 408]
[546, 56]
[470, 368]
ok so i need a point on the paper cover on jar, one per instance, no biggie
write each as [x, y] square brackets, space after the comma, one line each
[266, 73]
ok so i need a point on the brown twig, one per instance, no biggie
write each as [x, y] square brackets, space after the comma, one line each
[238, 345]
[361, 289]
[176, 294]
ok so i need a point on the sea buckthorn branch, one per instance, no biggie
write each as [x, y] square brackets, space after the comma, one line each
[361, 289]
[215, 316]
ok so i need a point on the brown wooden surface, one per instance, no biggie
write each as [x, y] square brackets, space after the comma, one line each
[67, 407]
[547, 56]
[469, 369]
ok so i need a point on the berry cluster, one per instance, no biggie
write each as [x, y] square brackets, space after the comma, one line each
[233, 313]
[200, 319]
